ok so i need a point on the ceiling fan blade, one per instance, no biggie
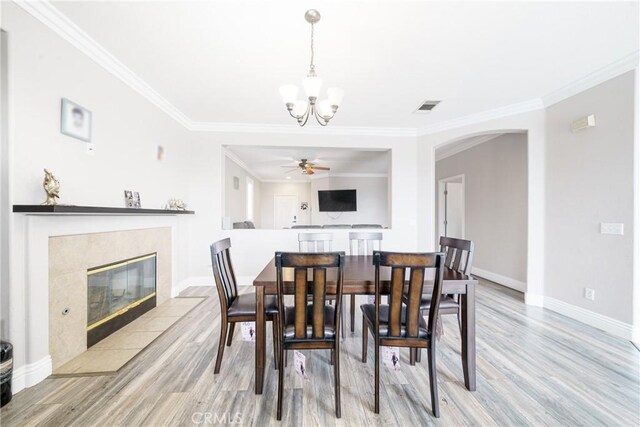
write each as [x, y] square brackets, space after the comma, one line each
[320, 168]
[289, 166]
[291, 170]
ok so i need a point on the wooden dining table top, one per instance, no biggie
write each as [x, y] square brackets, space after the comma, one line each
[359, 276]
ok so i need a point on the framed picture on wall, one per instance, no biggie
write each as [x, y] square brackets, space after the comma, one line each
[75, 121]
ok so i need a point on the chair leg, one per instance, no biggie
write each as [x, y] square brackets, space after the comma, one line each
[223, 336]
[232, 326]
[332, 360]
[412, 356]
[376, 407]
[365, 336]
[433, 381]
[286, 357]
[276, 350]
[280, 382]
[353, 312]
[336, 380]
[343, 317]
[418, 355]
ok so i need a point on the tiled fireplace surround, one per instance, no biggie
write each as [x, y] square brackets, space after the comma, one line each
[30, 298]
[71, 256]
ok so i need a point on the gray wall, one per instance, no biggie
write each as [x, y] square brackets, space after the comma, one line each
[495, 202]
[589, 180]
[235, 200]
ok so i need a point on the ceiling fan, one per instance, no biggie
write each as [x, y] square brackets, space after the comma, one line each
[307, 168]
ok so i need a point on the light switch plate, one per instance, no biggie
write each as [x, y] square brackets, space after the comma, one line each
[612, 228]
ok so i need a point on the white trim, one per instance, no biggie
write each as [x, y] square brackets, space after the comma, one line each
[500, 279]
[534, 300]
[463, 145]
[605, 323]
[232, 156]
[616, 68]
[192, 281]
[55, 20]
[297, 130]
[483, 116]
[31, 374]
[636, 212]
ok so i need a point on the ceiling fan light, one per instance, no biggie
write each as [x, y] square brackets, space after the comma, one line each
[335, 96]
[289, 93]
[312, 85]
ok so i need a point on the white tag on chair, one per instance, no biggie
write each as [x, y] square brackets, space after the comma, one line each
[299, 364]
[391, 358]
[248, 331]
[371, 299]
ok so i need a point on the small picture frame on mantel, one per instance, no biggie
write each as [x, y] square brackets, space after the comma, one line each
[132, 199]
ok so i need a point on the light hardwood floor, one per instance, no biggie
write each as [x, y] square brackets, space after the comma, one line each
[535, 367]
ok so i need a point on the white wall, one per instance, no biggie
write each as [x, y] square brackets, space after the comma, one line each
[235, 200]
[371, 196]
[270, 189]
[589, 181]
[253, 248]
[495, 205]
[42, 69]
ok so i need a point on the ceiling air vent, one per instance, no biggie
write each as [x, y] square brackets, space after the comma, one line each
[427, 106]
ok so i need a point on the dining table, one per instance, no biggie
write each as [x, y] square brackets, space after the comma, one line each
[359, 273]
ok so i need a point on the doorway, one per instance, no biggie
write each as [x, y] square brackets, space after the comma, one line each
[451, 221]
[285, 211]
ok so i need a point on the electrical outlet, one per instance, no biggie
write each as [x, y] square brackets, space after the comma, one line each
[612, 228]
[590, 294]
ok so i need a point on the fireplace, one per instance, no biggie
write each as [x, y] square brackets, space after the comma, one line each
[118, 293]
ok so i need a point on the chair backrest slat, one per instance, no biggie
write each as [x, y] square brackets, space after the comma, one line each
[415, 263]
[314, 242]
[318, 264]
[223, 272]
[319, 297]
[459, 253]
[363, 243]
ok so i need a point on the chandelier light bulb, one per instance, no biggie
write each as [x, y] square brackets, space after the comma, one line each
[312, 85]
[289, 93]
[335, 96]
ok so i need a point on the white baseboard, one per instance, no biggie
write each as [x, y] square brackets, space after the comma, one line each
[191, 281]
[500, 279]
[31, 374]
[605, 323]
[533, 299]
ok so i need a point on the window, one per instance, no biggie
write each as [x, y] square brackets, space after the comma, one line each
[249, 199]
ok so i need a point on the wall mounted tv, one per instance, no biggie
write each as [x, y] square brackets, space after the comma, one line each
[337, 201]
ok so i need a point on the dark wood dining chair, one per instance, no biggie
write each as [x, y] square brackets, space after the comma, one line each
[318, 242]
[399, 325]
[458, 257]
[315, 325]
[362, 243]
[236, 307]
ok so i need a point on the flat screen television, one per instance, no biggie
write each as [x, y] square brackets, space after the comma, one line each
[337, 201]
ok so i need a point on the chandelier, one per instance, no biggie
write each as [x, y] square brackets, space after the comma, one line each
[300, 110]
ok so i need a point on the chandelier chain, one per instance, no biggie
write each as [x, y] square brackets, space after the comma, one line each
[312, 67]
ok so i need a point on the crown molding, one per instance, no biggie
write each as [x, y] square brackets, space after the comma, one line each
[621, 66]
[232, 156]
[297, 130]
[466, 144]
[496, 113]
[56, 21]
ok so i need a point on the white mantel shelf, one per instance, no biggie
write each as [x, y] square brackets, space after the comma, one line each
[92, 210]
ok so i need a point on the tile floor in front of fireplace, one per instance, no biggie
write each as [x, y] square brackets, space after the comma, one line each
[113, 352]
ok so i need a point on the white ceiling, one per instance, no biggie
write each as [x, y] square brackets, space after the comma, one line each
[266, 162]
[223, 61]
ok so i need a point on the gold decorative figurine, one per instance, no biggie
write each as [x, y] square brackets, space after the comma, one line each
[52, 187]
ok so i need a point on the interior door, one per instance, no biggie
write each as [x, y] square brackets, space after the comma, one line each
[454, 210]
[285, 213]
